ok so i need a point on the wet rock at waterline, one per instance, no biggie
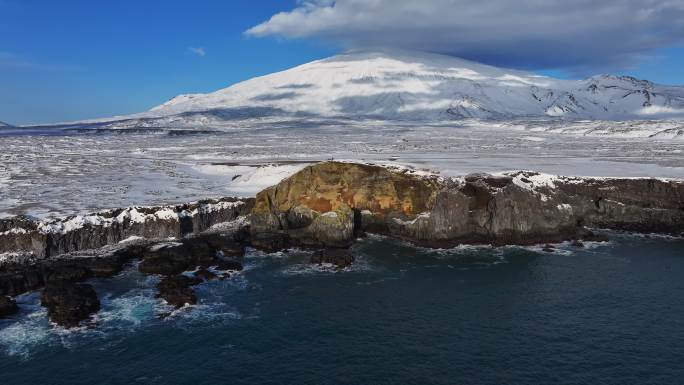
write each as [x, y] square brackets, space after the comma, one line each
[205, 274]
[176, 290]
[227, 264]
[205, 250]
[21, 276]
[270, 241]
[341, 258]
[69, 303]
[8, 306]
[325, 207]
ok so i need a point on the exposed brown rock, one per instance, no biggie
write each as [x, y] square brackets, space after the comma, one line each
[329, 204]
[323, 203]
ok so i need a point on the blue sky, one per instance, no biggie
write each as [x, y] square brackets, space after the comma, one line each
[68, 60]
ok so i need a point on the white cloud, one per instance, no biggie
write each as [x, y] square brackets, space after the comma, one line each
[524, 33]
[661, 111]
[199, 51]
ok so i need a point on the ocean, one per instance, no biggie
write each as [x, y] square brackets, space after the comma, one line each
[608, 313]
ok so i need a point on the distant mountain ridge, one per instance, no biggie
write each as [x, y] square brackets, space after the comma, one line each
[420, 86]
[3, 124]
[415, 87]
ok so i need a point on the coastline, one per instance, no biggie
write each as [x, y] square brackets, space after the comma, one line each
[326, 207]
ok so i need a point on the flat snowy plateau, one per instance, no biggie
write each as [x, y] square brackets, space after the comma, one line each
[49, 175]
[417, 110]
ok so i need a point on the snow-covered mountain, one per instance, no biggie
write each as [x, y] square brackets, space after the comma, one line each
[5, 125]
[420, 86]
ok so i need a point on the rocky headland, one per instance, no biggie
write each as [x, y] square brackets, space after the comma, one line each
[329, 204]
[324, 207]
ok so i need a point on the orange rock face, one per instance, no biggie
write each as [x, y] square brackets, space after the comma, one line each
[329, 186]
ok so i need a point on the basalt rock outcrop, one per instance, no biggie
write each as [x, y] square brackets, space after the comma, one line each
[324, 204]
[51, 238]
[69, 303]
[324, 207]
[177, 291]
[339, 257]
[204, 250]
[329, 204]
[8, 306]
[58, 254]
[25, 275]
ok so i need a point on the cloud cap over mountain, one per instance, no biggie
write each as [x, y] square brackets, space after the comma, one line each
[524, 33]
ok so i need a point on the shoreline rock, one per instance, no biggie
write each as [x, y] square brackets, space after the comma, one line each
[69, 303]
[341, 258]
[329, 204]
[176, 290]
[45, 239]
[324, 207]
[8, 306]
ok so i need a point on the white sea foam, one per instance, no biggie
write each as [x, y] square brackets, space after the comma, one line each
[132, 308]
[18, 338]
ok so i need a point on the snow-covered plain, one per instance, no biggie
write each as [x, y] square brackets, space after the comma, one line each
[405, 108]
[57, 174]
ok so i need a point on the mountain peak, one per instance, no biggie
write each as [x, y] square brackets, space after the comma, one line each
[394, 84]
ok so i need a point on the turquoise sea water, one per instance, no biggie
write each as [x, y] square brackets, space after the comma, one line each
[606, 314]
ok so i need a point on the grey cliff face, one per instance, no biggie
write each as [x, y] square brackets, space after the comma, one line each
[45, 239]
[324, 207]
[516, 208]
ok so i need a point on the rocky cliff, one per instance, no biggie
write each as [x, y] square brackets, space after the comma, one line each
[328, 204]
[56, 255]
[325, 206]
[43, 239]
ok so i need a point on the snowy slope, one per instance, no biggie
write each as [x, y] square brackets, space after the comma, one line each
[419, 86]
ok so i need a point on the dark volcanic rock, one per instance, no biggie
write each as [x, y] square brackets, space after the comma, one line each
[577, 244]
[590, 236]
[338, 257]
[330, 204]
[500, 181]
[205, 275]
[173, 258]
[52, 238]
[65, 270]
[270, 242]
[17, 278]
[228, 245]
[176, 290]
[7, 306]
[206, 250]
[177, 257]
[69, 303]
[228, 264]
